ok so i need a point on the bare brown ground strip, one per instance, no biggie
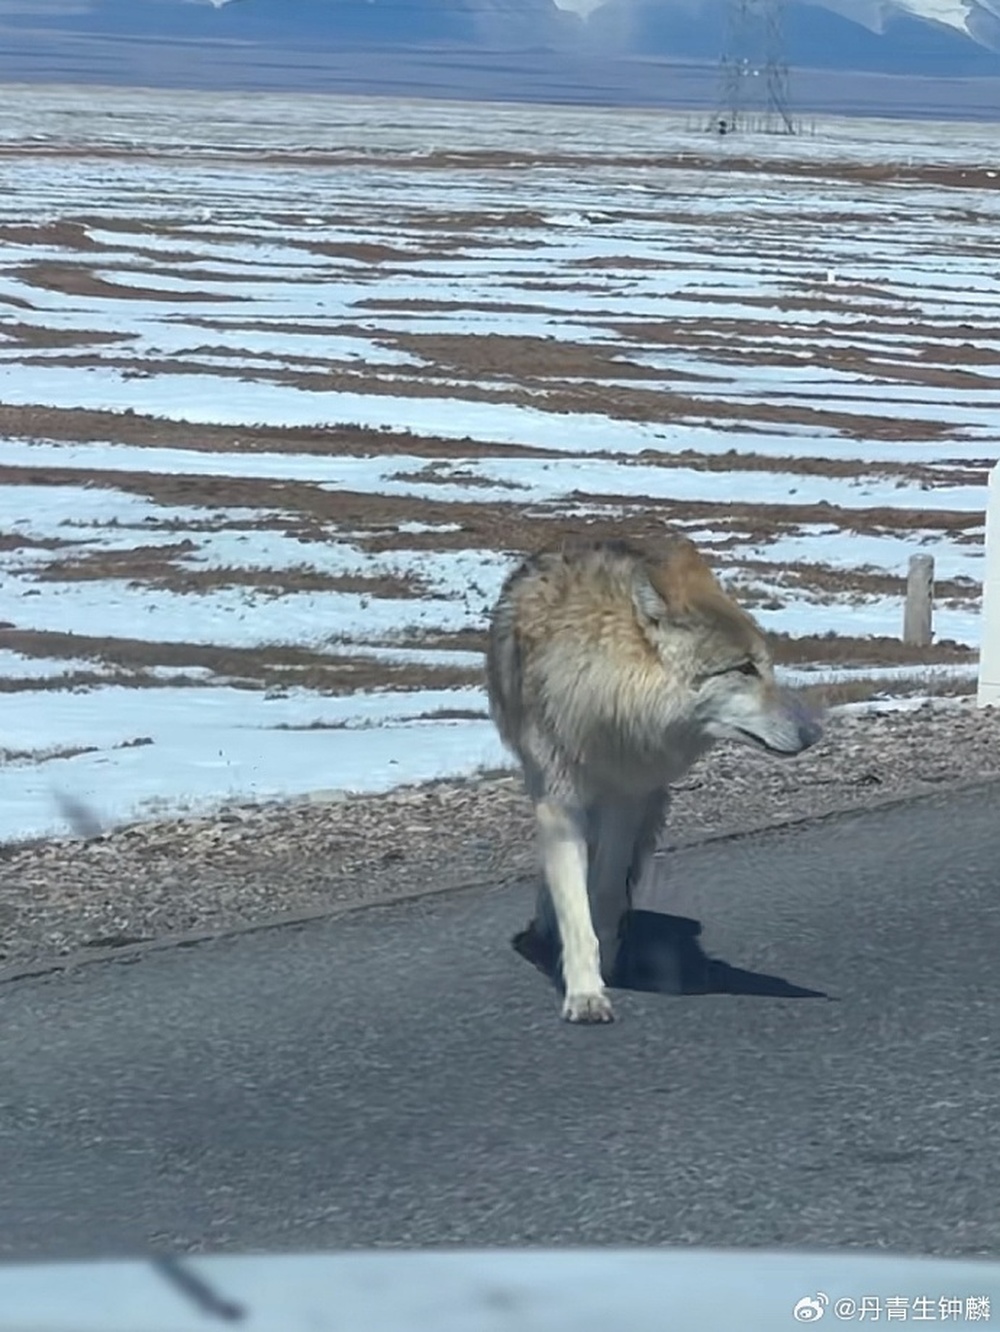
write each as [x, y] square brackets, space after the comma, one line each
[759, 517]
[25, 541]
[525, 359]
[159, 567]
[725, 340]
[40, 755]
[37, 336]
[914, 366]
[677, 217]
[79, 280]
[922, 684]
[431, 305]
[843, 650]
[325, 364]
[337, 439]
[72, 234]
[465, 220]
[946, 354]
[959, 472]
[507, 353]
[94, 679]
[563, 369]
[650, 406]
[64, 234]
[345, 440]
[173, 266]
[702, 330]
[827, 303]
[267, 667]
[164, 225]
[945, 175]
[372, 252]
[552, 283]
[492, 526]
[15, 302]
[843, 584]
[435, 714]
[361, 252]
[533, 358]
[415, 382]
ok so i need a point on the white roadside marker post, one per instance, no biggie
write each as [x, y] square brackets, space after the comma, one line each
[918, 617]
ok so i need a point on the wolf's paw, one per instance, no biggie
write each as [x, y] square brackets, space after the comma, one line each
[587, 1008]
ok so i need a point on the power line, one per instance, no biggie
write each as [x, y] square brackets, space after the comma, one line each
[753, 72]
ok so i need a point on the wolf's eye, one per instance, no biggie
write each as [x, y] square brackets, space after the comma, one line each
[748, 668]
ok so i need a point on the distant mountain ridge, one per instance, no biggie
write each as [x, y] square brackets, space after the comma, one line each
[901, 58]
[946, 38]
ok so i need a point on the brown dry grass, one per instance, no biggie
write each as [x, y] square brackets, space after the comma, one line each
[39, 338]
[939, 175]
[436, 473]
[362, 252]
[437, 714]
[842, 650]
[527, 359]
[839, 584]
[81, 280]
[347, 440]
[661, 404]
[63, 234]
[25, 541]
[75, 680]
[272, 666]
[958, 473]
[337, 439]
[503, 527]
[44, 755]
[922, 684]
[524, 359]
[159, 567]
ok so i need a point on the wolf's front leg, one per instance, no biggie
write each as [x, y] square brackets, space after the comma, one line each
[563, 846]
[622, 833]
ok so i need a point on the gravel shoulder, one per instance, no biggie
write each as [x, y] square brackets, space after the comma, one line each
[245, 866]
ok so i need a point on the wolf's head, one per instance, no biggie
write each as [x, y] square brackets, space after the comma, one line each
[716, 656]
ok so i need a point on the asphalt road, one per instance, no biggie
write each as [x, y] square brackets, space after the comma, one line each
[401, 1077]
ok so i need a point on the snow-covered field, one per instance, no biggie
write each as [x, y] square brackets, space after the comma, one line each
[285, 386]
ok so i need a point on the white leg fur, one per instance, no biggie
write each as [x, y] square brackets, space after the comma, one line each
[564, 858]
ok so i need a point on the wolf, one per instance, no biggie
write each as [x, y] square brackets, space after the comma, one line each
[611, 668]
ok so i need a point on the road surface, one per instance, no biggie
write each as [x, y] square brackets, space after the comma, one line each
[399, 1076]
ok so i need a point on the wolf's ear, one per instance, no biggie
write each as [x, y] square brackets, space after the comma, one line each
[649, 605]
[677, 585]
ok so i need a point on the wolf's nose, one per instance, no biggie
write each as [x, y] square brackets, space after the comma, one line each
[809, 731]
[807, 723]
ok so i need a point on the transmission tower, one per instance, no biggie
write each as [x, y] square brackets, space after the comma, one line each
[753, 74]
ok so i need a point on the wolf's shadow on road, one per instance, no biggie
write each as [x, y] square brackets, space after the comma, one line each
[660, 954]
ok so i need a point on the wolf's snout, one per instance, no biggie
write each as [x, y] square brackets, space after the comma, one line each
[807, 723]
[809, 732]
